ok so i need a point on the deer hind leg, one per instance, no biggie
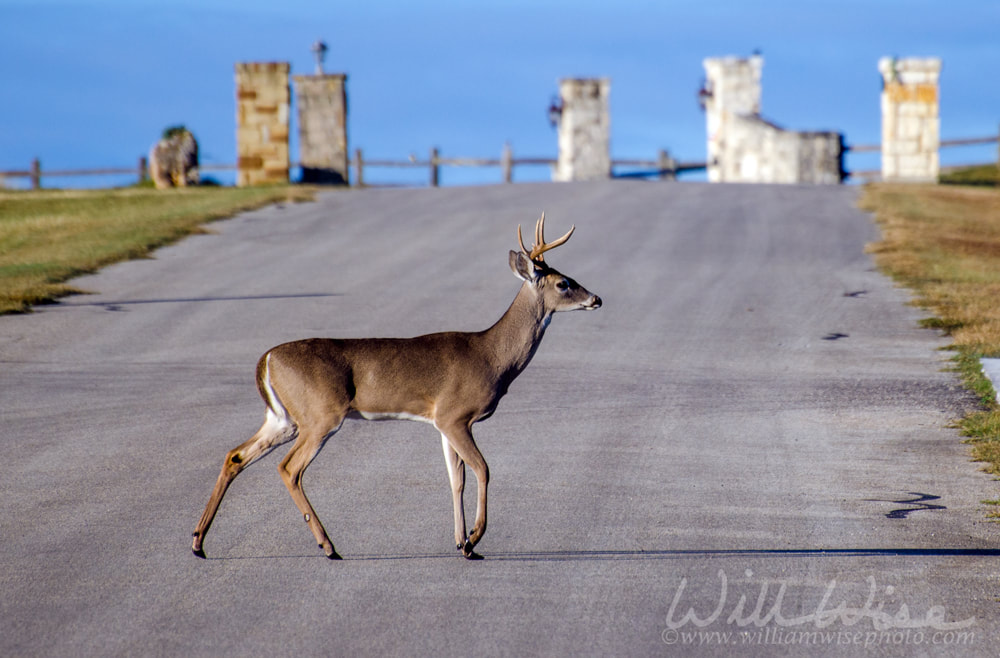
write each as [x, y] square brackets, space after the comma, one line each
[274, 432]
[293, 466]
[456, 477]
[460, 438]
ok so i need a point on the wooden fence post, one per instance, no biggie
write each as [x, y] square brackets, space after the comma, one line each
[36, 174]
[507, 162]
[668, 166]
[359, 169]
[435, 173]
[143, 169]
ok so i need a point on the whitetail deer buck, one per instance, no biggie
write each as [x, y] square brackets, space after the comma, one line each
[450, 380]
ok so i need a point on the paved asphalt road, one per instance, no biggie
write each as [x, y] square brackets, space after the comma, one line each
[746, 451]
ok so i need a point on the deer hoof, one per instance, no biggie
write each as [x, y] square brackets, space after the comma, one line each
[196, 546]
[331, 553]
[468, 553]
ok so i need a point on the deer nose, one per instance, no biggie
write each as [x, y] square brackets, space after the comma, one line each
[593, 303]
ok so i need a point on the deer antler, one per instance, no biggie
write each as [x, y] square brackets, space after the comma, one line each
[540, 246]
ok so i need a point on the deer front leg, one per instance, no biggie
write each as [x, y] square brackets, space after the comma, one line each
[460, 438]
[456, 477]
[274, 432]
[291, 469]
[230, 469]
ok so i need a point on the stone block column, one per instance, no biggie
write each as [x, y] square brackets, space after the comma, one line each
[584, 130]
[322, 106]
[744, 147]
[911, 123]
[732, 90]
[262, 107]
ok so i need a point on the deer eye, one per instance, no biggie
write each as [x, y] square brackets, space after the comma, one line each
[562, 285]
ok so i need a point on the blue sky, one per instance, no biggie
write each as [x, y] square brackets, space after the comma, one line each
[86, 84]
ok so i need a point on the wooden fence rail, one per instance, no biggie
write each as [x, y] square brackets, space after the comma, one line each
[140, 171]
[663, 167]
[876, 174]
[944, 143]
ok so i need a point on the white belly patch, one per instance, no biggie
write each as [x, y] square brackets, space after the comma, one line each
[389, 415]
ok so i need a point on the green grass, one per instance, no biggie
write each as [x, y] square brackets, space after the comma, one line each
[994, 514]
[49, 237]
[943, 242]
[988, 175]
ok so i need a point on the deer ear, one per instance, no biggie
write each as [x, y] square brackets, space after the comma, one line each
[522, 266]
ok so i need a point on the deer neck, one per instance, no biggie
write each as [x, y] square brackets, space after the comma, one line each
[514, 338]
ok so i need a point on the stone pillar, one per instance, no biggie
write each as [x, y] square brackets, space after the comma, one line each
[584, 130]
[911, 124]
[732, 89]
[322, 103]
[744, 147]
[262, 102]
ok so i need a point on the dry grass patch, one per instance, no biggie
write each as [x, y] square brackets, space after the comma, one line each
[49, 237]
[943, 242]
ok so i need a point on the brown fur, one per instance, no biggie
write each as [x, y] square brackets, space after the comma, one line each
[450, 379]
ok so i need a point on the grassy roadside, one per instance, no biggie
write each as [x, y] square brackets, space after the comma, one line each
[48, 237]
[943, 242]
[988, 175]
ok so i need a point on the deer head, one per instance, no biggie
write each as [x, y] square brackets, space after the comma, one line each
[556, 291]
